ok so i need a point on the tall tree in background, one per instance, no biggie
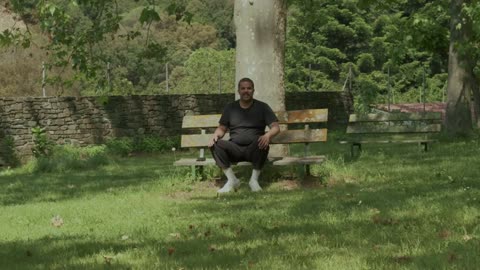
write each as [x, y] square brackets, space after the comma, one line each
[463, 57]
[461, 79]
[260, 29]
[260, 54]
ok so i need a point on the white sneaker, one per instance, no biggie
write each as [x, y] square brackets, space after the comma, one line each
[229, 186]
[254, 186]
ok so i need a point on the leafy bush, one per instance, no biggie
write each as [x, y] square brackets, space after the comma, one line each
[366, 62]
[65, 158]
[7, 149]
[366, 91]
[42, 145]
[120, 146]
[145, 144]
[151, 144]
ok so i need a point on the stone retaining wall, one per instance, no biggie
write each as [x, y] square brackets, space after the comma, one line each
[91, 120]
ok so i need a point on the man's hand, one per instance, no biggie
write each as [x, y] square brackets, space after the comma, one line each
[213, 140]
[264, 141]
[217, 135]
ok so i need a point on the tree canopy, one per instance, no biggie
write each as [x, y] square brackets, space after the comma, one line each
[397, 50]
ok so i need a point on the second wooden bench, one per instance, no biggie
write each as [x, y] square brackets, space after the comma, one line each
[396, 127]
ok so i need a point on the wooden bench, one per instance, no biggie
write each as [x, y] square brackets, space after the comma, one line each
[198, 130]
[394, 127]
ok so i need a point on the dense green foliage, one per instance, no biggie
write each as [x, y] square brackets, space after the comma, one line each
[49, 157]
[42, 146]
[387, 51]
[7, 149]
[395, 51]
[67, 158]
[143, 144]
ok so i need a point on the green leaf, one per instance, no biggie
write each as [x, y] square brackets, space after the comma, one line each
[149, 15]
[172, 9]
[187, 17]
[52, 9]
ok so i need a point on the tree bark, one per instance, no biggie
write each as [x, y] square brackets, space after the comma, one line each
[461, 79]
[260, 53]
[476, 103]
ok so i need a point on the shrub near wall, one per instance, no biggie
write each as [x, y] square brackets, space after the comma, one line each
[91, 120]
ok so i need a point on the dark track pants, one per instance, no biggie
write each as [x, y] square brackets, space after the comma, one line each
[226, 152]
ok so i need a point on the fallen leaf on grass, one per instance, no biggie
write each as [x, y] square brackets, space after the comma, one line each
[57, 221]
[175, 235]
[107, 259]
[452, 257]
[467, 237]
[444, 234]
[125, 237]
[402, 259]
[377, 219]
[171, 250]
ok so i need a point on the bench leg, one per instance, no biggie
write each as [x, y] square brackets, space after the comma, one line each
[352, 149]
[301, 171]
[197, 171]
[425, 146]
[194, 171]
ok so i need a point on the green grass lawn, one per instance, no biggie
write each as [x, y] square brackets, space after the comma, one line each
[394, 207]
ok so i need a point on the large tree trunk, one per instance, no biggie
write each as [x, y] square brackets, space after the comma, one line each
[260, 54]
[461, 79]
[476, 104]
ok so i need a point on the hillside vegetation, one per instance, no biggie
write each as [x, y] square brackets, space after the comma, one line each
[402, 49]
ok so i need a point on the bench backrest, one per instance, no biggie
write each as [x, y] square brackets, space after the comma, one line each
[424, 122]
[304, 135]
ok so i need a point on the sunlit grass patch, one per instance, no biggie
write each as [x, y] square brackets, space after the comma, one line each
[393, 207]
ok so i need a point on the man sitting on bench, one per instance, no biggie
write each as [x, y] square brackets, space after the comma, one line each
[246, 120]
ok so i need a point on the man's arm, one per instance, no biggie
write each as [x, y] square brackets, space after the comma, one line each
[264, 141]
[217, 135]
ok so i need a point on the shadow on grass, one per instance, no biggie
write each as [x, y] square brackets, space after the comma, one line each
[21, 188]
[402, 212]
[63, 253]
[325, 222]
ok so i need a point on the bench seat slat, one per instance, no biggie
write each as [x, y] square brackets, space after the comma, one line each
[300, 160]
[201, 121]
[208, 161]
[376, 128]
[303, 116]
[277, 162]
[411, 137]
[381, 117]
[301, 136]
[198, 140]
[364, 141]
[287, 136]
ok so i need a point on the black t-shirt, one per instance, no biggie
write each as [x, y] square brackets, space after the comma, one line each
[246, 125]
